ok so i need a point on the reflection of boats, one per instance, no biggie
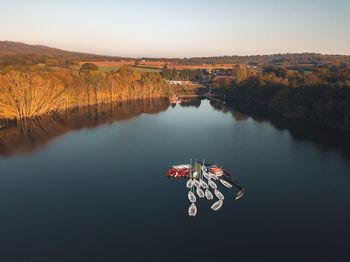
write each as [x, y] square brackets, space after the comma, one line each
[197, 184]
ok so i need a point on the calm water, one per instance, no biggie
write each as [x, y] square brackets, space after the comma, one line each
[91, 187]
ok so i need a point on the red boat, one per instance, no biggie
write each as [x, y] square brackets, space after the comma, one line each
[179, 171]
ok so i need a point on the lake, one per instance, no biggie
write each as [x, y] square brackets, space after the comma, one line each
[91, 186]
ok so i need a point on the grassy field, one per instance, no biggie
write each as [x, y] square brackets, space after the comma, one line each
[141, 69]
[152, 66]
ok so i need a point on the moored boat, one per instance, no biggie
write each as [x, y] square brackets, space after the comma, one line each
[239, 194]
[202, 182]
[179, 171]
[217, 205]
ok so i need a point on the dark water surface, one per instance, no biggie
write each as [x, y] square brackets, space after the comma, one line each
[91, 187]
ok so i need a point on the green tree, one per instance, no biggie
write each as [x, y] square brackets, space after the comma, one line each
[88, 67]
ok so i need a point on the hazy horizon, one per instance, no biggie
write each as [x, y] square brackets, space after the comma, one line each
[181, 28]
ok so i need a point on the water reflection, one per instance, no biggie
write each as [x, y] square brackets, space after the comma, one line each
[326, 137]
[27, 136]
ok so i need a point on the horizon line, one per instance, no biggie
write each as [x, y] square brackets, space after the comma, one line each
[174, 57]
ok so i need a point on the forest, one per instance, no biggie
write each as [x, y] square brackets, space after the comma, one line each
[321, 96]
[31, 91]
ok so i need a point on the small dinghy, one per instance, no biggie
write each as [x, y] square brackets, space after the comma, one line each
[217, 205]
[239, 194]
[225, 183]
[196, 183]
[200, 192]
[213, 176]
[208, 194]
[203, 184]
[218, 194]
[191, 197]
[192, 210]
[212, 184]
[206, 175]
[189, 183]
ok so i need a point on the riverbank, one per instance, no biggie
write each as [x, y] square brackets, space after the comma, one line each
[325, 105]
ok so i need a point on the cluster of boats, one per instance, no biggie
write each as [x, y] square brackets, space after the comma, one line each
[203, 181]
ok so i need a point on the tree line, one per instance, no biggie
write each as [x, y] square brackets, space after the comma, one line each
[194, 75]
[321, 96]
[40, 91]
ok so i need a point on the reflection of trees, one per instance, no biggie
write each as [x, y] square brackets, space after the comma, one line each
[219, 106]
[328, 138]
[239, 116]
[191, 102]
[27, 135]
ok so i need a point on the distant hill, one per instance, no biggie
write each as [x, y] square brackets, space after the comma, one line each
[17, 48]
[301, 61]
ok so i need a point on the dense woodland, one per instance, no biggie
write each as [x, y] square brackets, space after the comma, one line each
[40, 90]
[194, 75]
[322, 95]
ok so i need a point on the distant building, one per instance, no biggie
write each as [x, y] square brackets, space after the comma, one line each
[178, 82]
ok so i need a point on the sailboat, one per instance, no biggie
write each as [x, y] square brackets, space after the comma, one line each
[225, 183]
[191, 197]
[218, 194]
[217, 205]
[212, 184]
[200, 192]
[208, 194]
[192, 210]
[189, 183]
[239, 194]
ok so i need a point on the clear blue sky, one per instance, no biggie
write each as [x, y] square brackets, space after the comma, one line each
[180, 28]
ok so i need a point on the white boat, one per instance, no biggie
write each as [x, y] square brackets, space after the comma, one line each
[196, 183]
[217, 205]
[225, 183]
[192, 210]
[208, 194]
[239, 194]
[189, 183]
[203, 184]
[195, 174]
[213, 176]
[218, 194]
[206, 175]
[212, 184]
[191, 197]
[200, 192]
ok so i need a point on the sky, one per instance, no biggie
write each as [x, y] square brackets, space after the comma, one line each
[181, 28]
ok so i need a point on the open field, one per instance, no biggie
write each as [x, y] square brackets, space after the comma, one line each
[141, 69]
[153, 65]
[110, 63]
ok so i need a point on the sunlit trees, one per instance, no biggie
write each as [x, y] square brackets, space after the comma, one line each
[30, 94]
[26, 95]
